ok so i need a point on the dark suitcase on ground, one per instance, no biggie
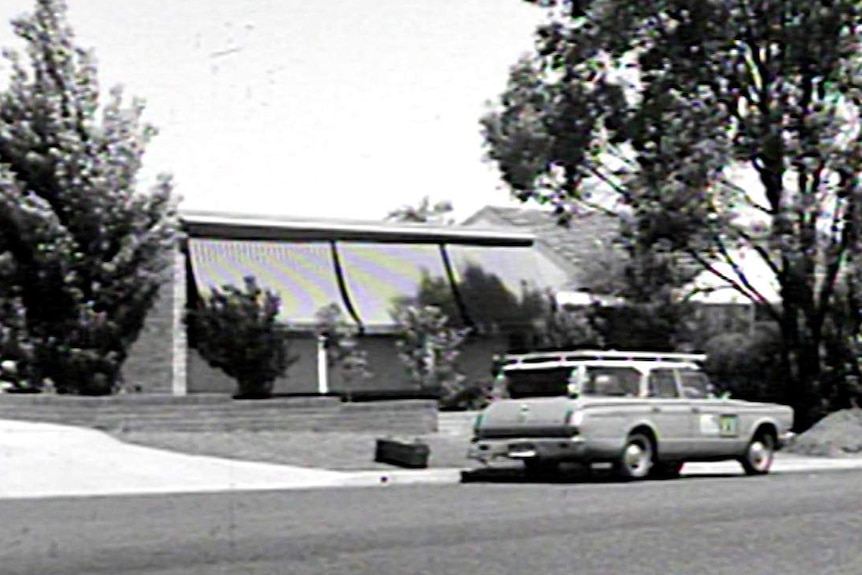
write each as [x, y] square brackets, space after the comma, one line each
[403, 454]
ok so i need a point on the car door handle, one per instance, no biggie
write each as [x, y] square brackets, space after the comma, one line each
[695, 410]
[656, 409]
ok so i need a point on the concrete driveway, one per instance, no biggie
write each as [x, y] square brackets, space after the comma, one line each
[39, 459]
[48, 460]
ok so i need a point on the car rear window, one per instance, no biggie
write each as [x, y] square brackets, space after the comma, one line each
[541, 382]
[606, 381]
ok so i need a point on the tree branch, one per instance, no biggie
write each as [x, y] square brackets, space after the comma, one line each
[759, 249]
[740, 283]
[724, 181]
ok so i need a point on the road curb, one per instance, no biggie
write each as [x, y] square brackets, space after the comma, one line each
[452, 476]
[445, 476]
[782, 464]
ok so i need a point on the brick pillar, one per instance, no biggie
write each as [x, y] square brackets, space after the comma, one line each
[149, 365]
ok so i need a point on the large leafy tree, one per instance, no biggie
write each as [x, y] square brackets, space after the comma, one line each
[82, 252]
[724, 127]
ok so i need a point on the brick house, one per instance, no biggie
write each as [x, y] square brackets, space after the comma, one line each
[362, 266]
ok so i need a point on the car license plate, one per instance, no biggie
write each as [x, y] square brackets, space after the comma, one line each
[521, 450]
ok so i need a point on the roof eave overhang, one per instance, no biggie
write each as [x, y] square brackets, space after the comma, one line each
[237, 227]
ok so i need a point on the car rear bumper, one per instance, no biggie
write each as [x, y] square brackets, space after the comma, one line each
[529, 448]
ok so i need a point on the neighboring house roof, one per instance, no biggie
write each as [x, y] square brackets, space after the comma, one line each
[569, 246]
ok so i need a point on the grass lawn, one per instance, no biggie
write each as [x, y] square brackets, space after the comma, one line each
[336, 451]
[837, 435]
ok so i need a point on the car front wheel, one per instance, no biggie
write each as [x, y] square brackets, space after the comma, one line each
[759, 454]
[636, 460]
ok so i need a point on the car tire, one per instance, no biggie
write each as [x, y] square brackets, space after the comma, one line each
[541, 468]
[759, 454]
[637, 458]
[666, 469]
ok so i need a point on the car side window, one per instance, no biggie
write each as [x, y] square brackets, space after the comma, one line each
[695, 384]
[612, 382]
[662, 383]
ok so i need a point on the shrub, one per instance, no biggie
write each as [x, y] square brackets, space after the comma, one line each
[428, 348]
[342, 350]
[747, 364]
[656, 325]
[470, 395]
[237, 331]
[16, 352]
[569, 329]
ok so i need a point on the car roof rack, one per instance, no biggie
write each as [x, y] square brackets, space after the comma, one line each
[564, 357]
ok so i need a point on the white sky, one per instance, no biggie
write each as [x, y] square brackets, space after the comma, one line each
[323, 108]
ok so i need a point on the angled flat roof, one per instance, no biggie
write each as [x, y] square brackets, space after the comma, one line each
[233, 226]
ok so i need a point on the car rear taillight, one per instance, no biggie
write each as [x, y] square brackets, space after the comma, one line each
[477, 423]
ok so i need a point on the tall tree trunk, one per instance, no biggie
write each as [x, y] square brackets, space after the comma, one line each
[801, 359]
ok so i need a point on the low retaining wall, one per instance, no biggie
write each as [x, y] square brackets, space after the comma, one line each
[200, 413]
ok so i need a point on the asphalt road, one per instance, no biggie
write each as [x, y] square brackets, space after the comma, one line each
[800, 523]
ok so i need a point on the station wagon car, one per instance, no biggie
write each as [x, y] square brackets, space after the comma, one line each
[646, 414]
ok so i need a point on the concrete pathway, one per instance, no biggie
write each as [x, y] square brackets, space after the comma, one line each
[46, 460]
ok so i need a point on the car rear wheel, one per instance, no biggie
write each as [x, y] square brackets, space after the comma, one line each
[759, 454]
[636, 460]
